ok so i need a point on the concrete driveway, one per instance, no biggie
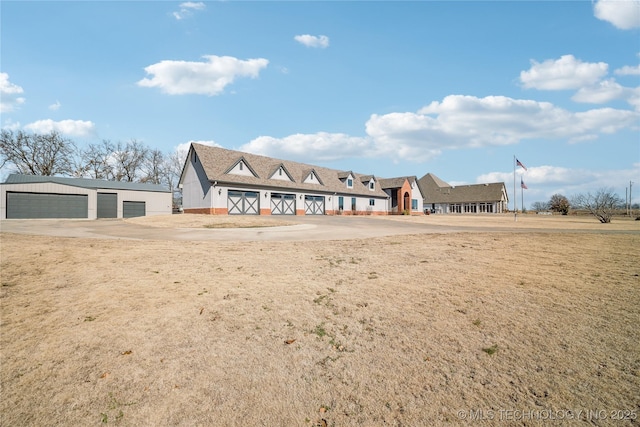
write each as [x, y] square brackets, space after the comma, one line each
[305, 228]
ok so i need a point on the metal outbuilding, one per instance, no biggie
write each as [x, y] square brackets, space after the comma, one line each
[32, 196]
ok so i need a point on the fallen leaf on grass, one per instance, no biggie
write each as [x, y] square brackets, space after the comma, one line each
[124, 353]
[105, 375]
[289, 341]
[201, 310]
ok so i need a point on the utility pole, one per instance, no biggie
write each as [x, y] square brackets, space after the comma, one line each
[630, 205]
[626, 200]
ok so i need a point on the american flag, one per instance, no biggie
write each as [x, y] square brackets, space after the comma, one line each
[523, 185]
[519, 163]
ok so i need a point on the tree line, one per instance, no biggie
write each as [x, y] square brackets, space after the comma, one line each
[603, 204]
[52, 154]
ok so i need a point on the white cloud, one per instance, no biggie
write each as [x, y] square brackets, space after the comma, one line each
[602, 92]
[564, 73]
[623, 14]
[203, 78]
[187, 8]
[321, 146]
[9, 94]
[628, 70]
[184, 147]
[312, 41]
[66, 127]
[456, 122]
[466, 121]
[55, 107]
[11, 125]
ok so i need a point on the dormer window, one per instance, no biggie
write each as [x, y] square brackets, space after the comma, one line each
[372, 185]
[349, 183]
[241, 166]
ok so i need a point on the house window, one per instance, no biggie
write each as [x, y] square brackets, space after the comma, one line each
[372, 202]
[372, 185]
[414, 204]
[353, 203]
[240, 165]
[350, 183]
[280, 171]
[455, 208]
[341, 203]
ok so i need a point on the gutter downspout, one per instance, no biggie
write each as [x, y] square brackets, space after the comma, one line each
[213, 196]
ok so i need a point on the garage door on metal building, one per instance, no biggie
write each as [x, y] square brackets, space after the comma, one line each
[47, 205]
[107, 205]
[283, 204]
[133, 209]
[243, 203]
[314, 205]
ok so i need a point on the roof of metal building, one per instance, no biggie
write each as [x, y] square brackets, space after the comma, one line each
[85, 183]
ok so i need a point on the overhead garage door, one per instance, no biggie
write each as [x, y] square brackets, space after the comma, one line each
[283, 204]
[314, 205]
[133, 209]
[107, 205]
[47, 205]
[243, 203]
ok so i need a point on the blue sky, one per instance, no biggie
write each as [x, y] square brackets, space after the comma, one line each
[385, 88]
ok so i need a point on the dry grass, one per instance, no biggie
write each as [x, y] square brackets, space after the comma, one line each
[209, 221]
[527, 221]
[393, 330]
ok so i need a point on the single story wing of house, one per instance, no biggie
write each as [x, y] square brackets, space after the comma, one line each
[440, 197]
[34, 196]
[219, 181]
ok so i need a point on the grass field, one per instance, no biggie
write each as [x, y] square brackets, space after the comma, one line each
[403, 330]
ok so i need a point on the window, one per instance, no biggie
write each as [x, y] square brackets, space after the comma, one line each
[341, 203]
[414, 204]
[350, 183]
[372, 185]
[280, 171]
[241, 165]
[353, 203]
[455, 208]
[372, 202]
[470, 208]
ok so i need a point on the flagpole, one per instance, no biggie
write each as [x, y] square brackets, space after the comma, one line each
[522, 197]
[515, 199]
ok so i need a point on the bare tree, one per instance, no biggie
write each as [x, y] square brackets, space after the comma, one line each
[154, 167]
[37, 154]
[173, 169]
[97, 161]
[540, 206]
[602, 204]
[128, 160]
[559, 203]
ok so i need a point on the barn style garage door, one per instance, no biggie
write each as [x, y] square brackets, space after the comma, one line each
[243, 203]
[283, 204]
[107, 205]
[133, 209]
[47, 205]
[314, 205]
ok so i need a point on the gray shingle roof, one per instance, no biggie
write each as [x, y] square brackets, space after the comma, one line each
[216, 162]
[84, 183]
[392, 182]
[435, 190]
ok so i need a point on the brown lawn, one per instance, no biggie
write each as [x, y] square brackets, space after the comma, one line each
[404, 330]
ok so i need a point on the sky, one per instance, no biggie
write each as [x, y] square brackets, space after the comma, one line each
[389, 88]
